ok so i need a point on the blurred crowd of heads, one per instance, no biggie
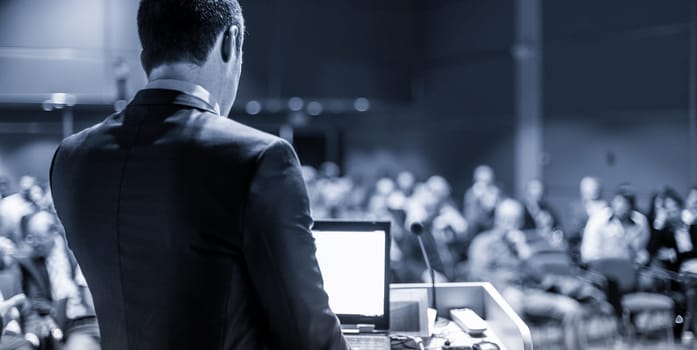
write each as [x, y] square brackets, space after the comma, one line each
[334, 196]
[27, 215]
[28, 222]
[485, 205]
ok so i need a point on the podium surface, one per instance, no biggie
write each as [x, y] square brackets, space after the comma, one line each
[505, 327]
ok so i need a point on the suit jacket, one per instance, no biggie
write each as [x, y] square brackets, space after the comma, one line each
[192, 231]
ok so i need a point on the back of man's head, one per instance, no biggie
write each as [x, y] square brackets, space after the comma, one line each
[184, 30]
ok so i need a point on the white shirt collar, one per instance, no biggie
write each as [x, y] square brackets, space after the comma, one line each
[184, 87]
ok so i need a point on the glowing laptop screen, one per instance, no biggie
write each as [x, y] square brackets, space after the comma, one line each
[353, 269]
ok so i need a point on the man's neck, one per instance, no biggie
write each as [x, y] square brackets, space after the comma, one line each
[188, 78]
[187, 72]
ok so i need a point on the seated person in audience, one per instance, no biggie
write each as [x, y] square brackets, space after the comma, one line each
[617, 232]
[480, 200]
[15, 206]
[60, 308]
[11, 338]
[325, 190]
[546, 236]
[673, 241]
[590, 202]
[10, 285]
[4, 186]
[447, 228]
[406, 182]
[498, 256]
[421, 208]
[689, 213]
[691, 204]
[537, 211]
[655, 203]
[673, 232]
[406, 261]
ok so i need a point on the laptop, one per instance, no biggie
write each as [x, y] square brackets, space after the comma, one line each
[354, 259]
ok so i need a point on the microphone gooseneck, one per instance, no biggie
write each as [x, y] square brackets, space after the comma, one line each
[417, 228]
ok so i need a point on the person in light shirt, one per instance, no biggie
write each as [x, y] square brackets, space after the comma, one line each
[589, 202]
[481, 200]
[619, 231]
[500, 256]
[15, 206]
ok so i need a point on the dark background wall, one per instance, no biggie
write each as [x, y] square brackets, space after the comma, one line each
[440, 76]
[616, 94]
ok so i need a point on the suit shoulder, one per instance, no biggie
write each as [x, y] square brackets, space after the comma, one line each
[75, 141]
[224, 131]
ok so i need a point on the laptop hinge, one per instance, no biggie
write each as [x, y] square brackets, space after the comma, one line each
[358, 328]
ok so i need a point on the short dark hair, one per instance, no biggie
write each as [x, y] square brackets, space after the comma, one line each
[184, 30]
[625, 192]
[670, 193]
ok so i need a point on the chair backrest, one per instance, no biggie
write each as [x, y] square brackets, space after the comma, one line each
[551, 262]
[620, 271]
[10, 281]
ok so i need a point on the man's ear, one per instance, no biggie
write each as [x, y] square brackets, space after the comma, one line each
[230, 38]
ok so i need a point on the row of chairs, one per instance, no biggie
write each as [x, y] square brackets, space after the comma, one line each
[647, 318]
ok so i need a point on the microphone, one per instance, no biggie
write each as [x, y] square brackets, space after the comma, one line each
[417, 228]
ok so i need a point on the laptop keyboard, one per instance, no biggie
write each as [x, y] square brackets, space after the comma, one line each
[368, 342]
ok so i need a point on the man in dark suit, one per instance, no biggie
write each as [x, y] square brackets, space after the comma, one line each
[191, 229]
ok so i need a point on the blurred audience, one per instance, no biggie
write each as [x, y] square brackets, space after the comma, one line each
[619, 231]
[55, 288]
[480, 200]
[499, 255]
[15, 206]
[590, 202]
[673, 237]
[12, 338]
[691, 205]
[55, 312]
[490, 238]
[538, 213]
[4, 186]
[493, 239]
[672, 245]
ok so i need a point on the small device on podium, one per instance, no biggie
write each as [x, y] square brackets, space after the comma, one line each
[409, 315]
[353, 257]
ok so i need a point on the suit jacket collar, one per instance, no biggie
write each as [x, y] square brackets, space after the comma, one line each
[157, 96]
